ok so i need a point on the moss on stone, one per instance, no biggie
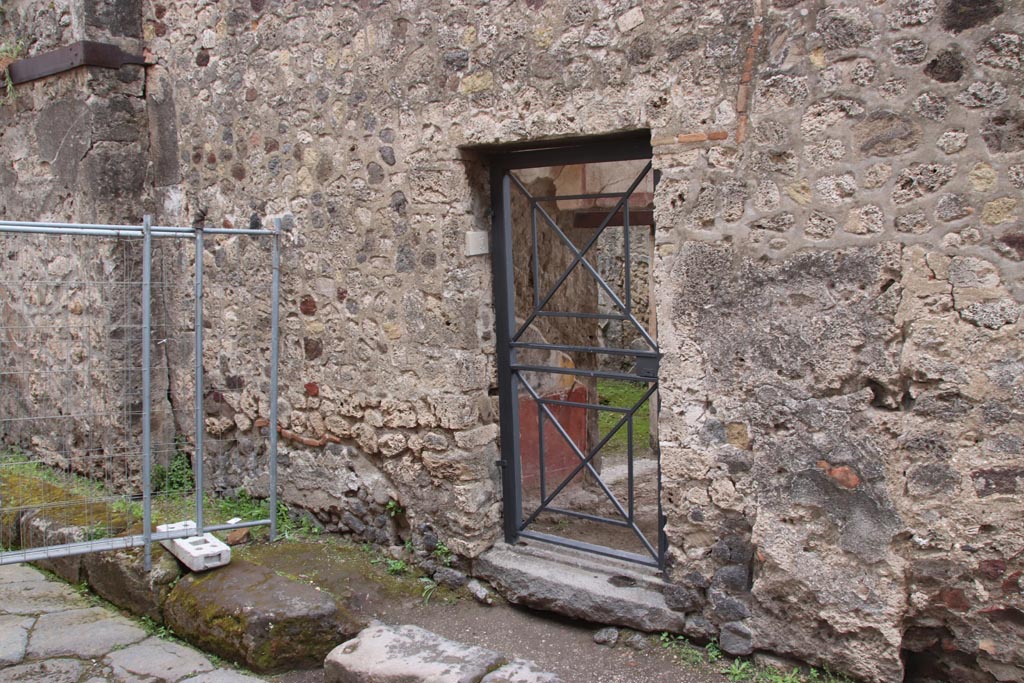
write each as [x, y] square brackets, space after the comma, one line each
[249, 614]
[31, 487]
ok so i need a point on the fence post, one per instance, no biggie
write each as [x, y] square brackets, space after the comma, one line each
[198, 465]
[275, 295]
[147, 446]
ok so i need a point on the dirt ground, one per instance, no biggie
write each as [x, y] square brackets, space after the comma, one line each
[562, 646]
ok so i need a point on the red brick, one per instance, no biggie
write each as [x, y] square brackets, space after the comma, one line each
[692, 137]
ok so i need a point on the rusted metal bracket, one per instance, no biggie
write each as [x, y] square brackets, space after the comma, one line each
[82, 53]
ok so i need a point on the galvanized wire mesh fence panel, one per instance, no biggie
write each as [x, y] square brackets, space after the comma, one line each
[95, 447]
[70, 388]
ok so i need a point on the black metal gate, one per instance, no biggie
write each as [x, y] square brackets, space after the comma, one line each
[577, 359]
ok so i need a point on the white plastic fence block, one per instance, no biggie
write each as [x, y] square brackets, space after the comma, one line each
[187, 525]
[198, 553]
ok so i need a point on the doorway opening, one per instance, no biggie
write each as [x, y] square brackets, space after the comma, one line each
[577, 350]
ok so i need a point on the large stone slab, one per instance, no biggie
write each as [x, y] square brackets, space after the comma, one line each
[37, 597]
[20, 573]
[248, 614]
[157, 660]
[602, 591]
[408, 654]
[14, 638]
[50, 670]
[83, 633]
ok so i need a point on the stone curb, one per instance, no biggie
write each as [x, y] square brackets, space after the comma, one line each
[275, 623]
[48, 632]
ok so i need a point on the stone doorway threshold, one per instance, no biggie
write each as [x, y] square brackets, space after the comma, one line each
[579, 585]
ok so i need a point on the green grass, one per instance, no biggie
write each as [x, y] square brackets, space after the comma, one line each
[429, 586]
[740, 670]
[681, 649]
[244, 505]
[621, 394]
[744, 671]
[396, 567]
[712, 651]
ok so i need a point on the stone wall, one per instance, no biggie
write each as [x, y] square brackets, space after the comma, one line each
[75, 148]
[839, 297]
[75, 145]
[837, 285]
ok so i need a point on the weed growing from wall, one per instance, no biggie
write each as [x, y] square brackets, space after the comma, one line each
[10, 52]
[442, 554]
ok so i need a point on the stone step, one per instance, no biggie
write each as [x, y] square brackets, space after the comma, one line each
[581, 586]
[410, 654]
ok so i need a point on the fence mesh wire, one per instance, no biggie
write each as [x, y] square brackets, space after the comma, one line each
[71, 391]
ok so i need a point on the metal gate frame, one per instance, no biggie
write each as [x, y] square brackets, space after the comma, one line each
[628, 147]
[147, 232]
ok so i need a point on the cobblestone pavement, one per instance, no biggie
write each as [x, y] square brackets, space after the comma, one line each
[48, 632]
